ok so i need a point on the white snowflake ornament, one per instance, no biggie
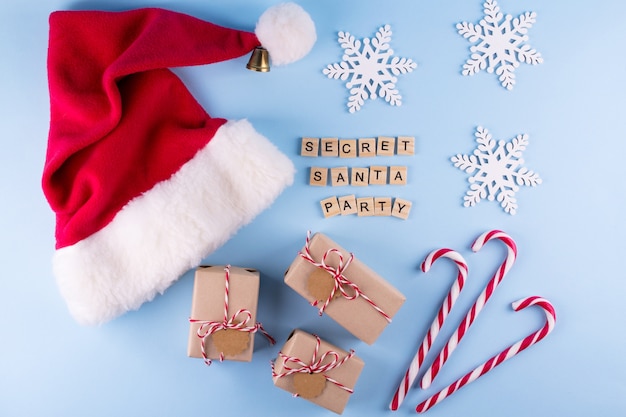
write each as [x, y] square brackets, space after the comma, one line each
[497, 171]
[501, 43]
[371, 67]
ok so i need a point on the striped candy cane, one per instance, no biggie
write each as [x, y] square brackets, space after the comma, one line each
[455, 289]
[480, 302]
[502, 356]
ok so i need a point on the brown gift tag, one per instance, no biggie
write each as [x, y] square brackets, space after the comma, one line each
[321, 284]
[309, 385]
[231, 342]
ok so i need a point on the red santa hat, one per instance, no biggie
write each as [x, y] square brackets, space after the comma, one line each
[144, 183]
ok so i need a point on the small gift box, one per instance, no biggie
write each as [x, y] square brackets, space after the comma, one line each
[223, 314]
[342, 286]
[313, 369]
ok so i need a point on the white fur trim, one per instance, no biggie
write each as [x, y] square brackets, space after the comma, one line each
[287, 32]
[160, 235]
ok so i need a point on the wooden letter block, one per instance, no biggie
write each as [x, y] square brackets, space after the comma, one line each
[401, 208]
[367, 147]
[330, 147]
[386, 146]
[382, 206]
[360, 176]
[365, 206]
[406, 145]
[339, 176]
[330, 207]
[397, 175]
[347, 148]
[347, 205]
[378, 175]
[318, 177]
[310, 147]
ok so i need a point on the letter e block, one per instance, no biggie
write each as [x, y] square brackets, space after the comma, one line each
[397, 175]
[339, 176]
[406, 145]
[347, 205]
[386, 146]
[318, 177]
[401, 208]
[360, 176]
[330, 147]
[310, 147]
[382, 206]
[367, 147]
[365, 206]
[347, 148]
[378, 175]
[330, 207]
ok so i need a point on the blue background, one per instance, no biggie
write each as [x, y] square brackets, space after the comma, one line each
[569, 229]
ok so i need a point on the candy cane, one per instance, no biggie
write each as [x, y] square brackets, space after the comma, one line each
[502, 356]
[471, 315]
[455, 289]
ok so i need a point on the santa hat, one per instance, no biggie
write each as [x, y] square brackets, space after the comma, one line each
[144, 183]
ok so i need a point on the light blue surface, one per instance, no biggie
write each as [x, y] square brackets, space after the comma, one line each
[569, 230]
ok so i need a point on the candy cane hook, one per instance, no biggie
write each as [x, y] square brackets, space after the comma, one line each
[453, 294]
[502, 356]
[480, 302]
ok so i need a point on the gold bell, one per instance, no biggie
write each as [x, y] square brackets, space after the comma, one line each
[260, 60]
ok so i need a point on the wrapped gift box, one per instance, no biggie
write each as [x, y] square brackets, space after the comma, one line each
[366, 315]
[326, 379]
[207, 306]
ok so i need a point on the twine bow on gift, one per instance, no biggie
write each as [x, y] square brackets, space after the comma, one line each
[341, 283]
[315, 366]
[238, 321]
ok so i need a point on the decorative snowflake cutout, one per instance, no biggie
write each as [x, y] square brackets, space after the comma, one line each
[501, 44]
[497, 171]
[371, 68]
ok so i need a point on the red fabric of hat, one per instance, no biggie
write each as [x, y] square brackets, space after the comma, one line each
[144, 183]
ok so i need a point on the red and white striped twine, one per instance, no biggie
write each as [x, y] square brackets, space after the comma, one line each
[478, 305]
[342, 284]
[315, 366]
[208, 327]
[496, 360]
[448, 303]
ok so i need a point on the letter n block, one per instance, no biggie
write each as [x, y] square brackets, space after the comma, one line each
[360, 176]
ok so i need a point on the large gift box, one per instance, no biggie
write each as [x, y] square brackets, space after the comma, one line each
[342, 286]
[223, 313]
[312, 368]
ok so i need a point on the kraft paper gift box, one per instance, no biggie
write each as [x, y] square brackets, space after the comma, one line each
[365, 316]
[207, 306]
[326, 379]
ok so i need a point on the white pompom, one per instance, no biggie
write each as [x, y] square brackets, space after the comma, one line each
[287, 32]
